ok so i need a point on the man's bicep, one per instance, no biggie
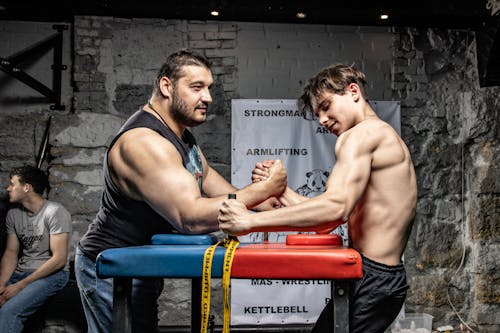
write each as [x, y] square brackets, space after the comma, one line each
[59, 242]
[135, 159]
[59, 246]
[152, 170]
[173, 190]
[350, 174]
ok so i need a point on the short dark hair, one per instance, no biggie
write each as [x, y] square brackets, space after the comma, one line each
[28, 174]
[335, 79]
[172, 68]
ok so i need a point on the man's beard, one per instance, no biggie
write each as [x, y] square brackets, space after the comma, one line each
[180, 112]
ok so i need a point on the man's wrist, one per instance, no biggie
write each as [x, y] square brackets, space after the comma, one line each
[23, 283]
[3, 282]
[264, 188]
[251, 221]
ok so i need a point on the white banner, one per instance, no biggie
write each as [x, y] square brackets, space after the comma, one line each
[265, 301]
[275, 129]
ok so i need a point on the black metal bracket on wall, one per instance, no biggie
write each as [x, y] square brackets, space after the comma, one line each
[10, 66]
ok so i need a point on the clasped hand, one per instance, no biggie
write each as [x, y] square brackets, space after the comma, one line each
[234, 217]
[9, 291]
[273, 173]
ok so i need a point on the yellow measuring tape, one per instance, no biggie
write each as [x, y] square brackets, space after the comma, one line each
[230, 243]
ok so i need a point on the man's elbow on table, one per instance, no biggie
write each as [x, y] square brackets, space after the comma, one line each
[196, 226]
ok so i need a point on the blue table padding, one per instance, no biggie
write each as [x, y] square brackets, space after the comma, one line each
[182, 261]
[179, 239]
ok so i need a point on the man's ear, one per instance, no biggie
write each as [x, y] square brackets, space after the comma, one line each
[166, 87]
[27, 187]
[355, 91]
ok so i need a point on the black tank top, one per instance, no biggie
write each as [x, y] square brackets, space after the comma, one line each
[122, 221]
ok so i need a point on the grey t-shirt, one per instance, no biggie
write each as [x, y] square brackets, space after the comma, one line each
[33, 233]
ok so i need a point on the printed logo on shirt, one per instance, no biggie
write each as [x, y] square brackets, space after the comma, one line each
[194, 165]
[28, 241]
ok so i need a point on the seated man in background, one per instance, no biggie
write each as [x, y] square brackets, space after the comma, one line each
[372, 188]
[34, 265]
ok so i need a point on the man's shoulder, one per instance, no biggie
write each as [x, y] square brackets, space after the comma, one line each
[132, 134]
[140, 138]
[374, 123]
[140, 146]
[366, 135]
[57, 216]
[15, 218]
[373, 129]
[15, 211]
[53, 207]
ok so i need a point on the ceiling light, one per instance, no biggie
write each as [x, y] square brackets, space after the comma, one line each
[300, 15]
[384, 16]
[214, 13]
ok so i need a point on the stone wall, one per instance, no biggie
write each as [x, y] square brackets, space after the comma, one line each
[451, 127]
[448, 122]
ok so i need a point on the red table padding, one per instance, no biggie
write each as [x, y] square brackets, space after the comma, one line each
[313, 239]
[282, 261]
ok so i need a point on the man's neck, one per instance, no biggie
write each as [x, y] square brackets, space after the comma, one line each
[33, 204]
[368, 112]
[365, 112]
[158, 108]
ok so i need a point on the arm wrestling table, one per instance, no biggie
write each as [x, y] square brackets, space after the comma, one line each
[181, 256]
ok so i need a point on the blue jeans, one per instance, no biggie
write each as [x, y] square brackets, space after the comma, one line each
[97, 298]
[17, 309]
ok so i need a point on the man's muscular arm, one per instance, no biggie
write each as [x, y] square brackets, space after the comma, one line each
[345, 186]
[147, 167]
[215, 185]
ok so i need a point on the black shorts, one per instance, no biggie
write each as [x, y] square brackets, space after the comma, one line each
[375, 300]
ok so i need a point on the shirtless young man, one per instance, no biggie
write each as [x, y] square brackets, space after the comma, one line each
[157, 180]
[372, 188]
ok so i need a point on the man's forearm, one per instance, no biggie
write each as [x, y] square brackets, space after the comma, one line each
[272, 186]
[256, 193]
[50, 266]
[7, 267]
[290, 197]
[310, 213]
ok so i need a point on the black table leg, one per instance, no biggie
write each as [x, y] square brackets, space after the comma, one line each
[195, 305]
[340, 301]
[122, 315]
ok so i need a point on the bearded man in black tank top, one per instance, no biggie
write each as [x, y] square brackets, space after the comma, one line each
[157, 180]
